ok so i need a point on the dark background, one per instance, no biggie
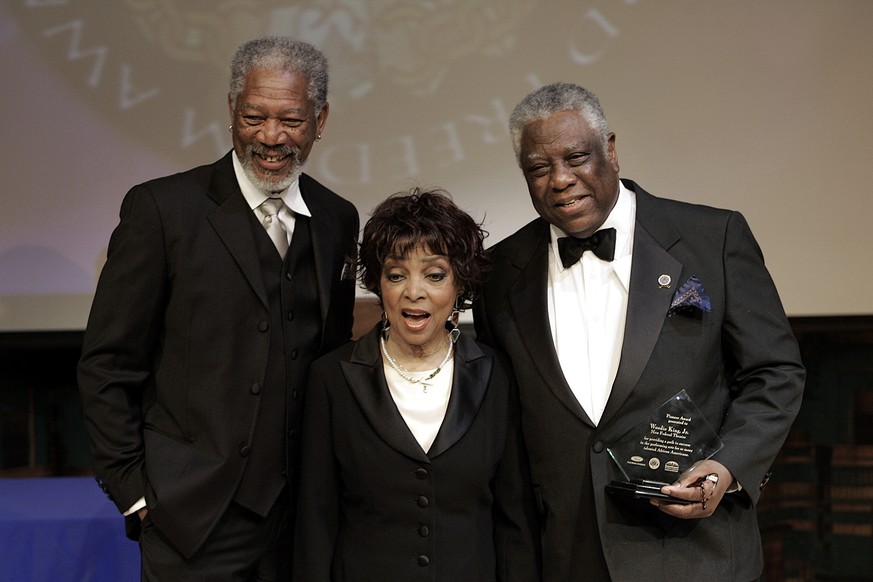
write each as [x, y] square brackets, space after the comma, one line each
[816, 513]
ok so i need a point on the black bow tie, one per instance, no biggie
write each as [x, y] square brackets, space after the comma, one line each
[601, 242]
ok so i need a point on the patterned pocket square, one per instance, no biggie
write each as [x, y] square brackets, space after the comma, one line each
[690, 298]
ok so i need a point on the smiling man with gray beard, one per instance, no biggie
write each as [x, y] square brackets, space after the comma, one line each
[220, 287]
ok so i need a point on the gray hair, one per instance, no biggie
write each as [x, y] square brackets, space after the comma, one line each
[553, 98]
[282, 54]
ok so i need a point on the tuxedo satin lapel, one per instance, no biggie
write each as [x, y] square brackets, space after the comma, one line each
[323, 237]
[528, 301]
[469, 385]
[366, 380]
[648, 301]
[232, 221]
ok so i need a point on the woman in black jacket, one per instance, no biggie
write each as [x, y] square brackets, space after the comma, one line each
[413, 467]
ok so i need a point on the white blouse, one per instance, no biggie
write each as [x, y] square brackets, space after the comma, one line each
[422, 404]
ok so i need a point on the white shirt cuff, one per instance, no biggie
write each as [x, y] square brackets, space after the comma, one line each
[140, 503]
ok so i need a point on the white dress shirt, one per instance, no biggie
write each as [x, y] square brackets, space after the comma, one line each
[587, 309]
[291, 196]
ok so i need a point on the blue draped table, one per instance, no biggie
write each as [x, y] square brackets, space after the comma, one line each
[62, 529]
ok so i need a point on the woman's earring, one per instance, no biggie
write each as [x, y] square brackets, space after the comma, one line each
[386, 326]
[452, 324]
[455, 333]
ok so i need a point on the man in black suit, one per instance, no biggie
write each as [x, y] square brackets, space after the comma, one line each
[673, 296]
[220, 287]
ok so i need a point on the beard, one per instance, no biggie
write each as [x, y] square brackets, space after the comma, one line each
[273, 181]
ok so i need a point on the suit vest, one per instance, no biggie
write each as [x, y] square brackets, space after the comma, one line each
[295, 328]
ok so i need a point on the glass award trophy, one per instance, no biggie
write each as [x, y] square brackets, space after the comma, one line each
[655, 452]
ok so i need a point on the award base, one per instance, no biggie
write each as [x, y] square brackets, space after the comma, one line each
[643, 489]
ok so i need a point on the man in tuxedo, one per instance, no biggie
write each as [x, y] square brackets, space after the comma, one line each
[221, 285]
[672, 296]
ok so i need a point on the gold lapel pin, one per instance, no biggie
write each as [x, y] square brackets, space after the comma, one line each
[664, 281]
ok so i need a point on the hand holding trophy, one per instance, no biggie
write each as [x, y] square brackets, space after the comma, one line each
[661, 448]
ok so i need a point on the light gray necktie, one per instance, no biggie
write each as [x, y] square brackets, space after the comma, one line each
[270, 209]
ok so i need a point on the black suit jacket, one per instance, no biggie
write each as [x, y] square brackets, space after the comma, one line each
[374, 506]
[739, 363]
[178, 336]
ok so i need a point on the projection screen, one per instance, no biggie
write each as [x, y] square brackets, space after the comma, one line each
[759, 106]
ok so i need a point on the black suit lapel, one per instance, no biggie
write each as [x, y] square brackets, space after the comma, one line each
[366, 380]
[324, 239]
[648, 300]
[528, 300]
[469, 385]
[232, 221]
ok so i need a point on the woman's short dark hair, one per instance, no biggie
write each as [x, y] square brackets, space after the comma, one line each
[425, 219]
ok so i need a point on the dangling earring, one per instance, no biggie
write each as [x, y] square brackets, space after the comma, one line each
[386, 326]
[455, 332]
[452, 321]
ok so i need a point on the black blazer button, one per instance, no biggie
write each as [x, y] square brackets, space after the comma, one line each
[421, 473]
[597, 447]
[263, 326]
[423, 531]
[423, 501]
[256, 388]
[244, 450]
[423, 560]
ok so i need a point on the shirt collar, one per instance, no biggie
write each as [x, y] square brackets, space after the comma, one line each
[622, 218]
[255, 197]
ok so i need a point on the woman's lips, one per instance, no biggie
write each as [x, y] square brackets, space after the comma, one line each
[415, 319]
